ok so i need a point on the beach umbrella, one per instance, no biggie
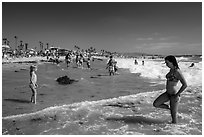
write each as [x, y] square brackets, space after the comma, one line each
[5, 46]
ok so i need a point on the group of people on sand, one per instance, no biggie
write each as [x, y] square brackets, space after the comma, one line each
[172, 78]
[81, 59]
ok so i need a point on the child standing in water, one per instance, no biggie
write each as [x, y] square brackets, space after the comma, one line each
[33, 83]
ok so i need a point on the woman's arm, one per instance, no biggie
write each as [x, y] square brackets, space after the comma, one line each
[183, 82]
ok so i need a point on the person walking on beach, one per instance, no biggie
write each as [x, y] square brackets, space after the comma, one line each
[33, 83]
[81, 60]
[77, 59]
[171, 94]
[111, 65]
[88, 62]
[68, 59]
[143, 62]
[136, 62]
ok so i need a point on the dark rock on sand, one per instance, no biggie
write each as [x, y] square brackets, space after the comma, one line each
[121, 105]
[23, 69]
[93, 77]
[64, 80]
[137, 119]
[199, 97]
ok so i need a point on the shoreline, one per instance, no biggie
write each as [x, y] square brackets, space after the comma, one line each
[95, 97]
[85, 77]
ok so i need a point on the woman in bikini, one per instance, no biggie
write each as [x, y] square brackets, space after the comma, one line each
[171, 94]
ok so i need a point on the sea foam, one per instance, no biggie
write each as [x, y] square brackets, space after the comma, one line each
[157, 69]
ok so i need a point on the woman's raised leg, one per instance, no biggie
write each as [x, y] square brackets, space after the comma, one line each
[159, 102]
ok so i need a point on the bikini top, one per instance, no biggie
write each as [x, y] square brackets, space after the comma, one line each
[171, 77]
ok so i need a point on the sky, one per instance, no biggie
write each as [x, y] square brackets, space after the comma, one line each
[148, 27]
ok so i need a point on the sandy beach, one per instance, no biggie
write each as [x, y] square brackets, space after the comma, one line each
[95, 104]
[103, 68]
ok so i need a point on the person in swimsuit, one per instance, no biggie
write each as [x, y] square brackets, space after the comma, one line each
[33, 83]
[111, 65]
[81, 60]
[171, 94]
[136, 62]
[77, 59]
[88, 62]
[68, 59]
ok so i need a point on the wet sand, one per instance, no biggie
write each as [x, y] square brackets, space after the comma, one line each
[92, 84]
[70, 109]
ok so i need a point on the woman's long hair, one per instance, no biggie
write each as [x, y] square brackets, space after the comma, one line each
[172, 59]
[32, 67]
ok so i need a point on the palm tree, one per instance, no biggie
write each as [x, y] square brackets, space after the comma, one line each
[21, 45]
[5, 41]
[42, 47]
[40, 44]
[26, 46]
[16, 38]
[47, 45]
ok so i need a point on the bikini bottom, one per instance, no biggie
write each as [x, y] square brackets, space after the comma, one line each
[173, 95]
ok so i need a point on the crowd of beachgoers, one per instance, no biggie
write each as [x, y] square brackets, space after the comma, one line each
[55, 55]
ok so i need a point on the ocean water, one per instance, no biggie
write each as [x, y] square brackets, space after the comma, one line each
[99, 104]
[157, 69]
